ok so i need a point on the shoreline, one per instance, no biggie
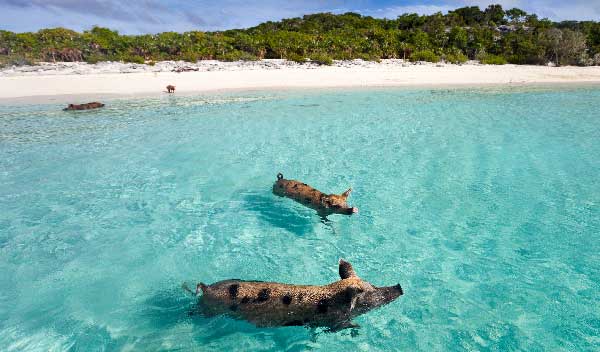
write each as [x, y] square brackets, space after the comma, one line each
[64, 99]
[62, 85]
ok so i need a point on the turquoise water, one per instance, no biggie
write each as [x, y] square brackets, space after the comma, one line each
[483, 204]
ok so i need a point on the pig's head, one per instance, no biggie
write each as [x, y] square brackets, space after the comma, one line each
[338, 203]
[361, 295]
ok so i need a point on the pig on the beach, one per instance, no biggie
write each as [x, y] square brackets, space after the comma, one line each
[86, 106]
[270, 304]
[170, 88]
[324, 204]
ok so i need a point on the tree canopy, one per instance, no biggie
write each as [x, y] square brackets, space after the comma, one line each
[490, 35]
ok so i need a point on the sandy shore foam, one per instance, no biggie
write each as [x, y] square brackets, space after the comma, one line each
[72, 81]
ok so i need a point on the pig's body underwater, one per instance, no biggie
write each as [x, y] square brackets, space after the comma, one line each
[268, 304]
[86, 106]
[324, 204]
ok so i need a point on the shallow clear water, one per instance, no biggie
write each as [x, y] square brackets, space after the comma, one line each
[482, 203]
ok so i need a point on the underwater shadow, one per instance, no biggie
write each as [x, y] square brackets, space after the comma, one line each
[168, 308]
[76, 114]
[278, 215]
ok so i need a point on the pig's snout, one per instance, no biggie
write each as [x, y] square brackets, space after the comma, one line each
[351, 211]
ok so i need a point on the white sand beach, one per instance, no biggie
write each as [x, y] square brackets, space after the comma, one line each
[69, 81]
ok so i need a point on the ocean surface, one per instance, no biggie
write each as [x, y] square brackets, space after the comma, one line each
[484, 204]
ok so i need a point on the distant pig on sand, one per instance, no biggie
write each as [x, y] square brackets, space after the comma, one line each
[87, 106]
[170, 88]
[324, 204]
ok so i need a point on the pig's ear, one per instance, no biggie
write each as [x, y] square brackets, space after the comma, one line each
[352, 293]
[347, 193]
[345, 269]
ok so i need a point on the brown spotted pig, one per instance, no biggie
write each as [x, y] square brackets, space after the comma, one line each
[324, 204]
[87, 106]
[170, 88]
[269, 304]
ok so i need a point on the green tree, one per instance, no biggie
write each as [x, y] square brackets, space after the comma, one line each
[104, 40]
[466, 30]
[60, 44]
[458, 37]
[552, 39]
[470, 15]
[522, 47]
[495, 14]
[410, 21]
[593, 38]
[573, 47]
[420, 39]
[515, 15]
[436, 29]
[9, 42]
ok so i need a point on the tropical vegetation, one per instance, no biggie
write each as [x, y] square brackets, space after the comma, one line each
[492, 35]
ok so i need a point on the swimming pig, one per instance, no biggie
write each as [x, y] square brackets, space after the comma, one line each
[269, 304]
[324, 204]
[86, 106]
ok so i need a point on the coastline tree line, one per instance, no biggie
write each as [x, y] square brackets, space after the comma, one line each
[492, 36]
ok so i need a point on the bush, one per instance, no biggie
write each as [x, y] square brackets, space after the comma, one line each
[424, 55]
[190, 57]
[321, 59]
[490, 59]
[368, 57]
[296, 58]
[341, 56]
[493, 60]
[14, 60]
[248, 57]
[526, 60]
[584, 59]
[94, 58]
[456, 58]
[136, 59]
[237, 55]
